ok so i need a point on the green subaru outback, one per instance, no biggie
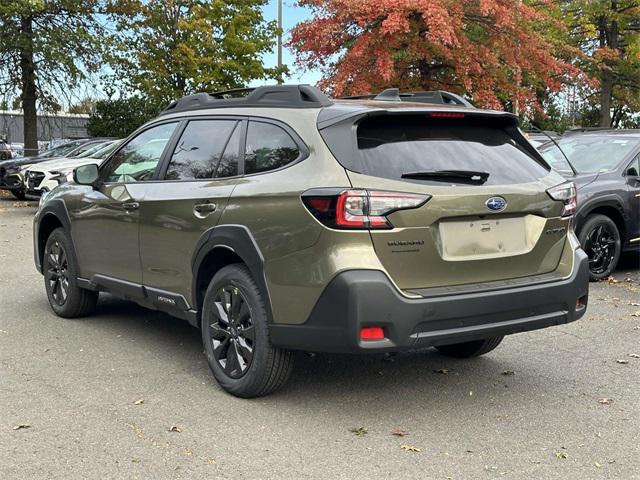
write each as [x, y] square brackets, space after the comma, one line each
[277, 219]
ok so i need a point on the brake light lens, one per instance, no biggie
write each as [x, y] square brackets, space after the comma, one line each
[446, 115]
[566, 193]
[359, 209]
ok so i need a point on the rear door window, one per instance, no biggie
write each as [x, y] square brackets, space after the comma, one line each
[390, 146]
[199, 152]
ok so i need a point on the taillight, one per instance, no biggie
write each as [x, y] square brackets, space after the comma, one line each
[566, 193]
[358, 209]
[446, 115]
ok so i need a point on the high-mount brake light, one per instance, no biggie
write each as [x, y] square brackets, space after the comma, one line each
[358, 209]
[446, 115]
[566, 193]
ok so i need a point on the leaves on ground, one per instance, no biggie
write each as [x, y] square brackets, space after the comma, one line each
[21, 426]
[634, 355]
[175, 428]
[359, 431]
[562, 455]
[139, 402]
[622, 362]
[508, 373]
[409, 448]
[443, 371]
[605, 401]
[399, 433]
[597, 465]
[636, 314]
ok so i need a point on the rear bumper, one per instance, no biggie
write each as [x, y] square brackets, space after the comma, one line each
[361, 298]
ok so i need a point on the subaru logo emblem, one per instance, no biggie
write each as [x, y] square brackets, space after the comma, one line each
[496, 204]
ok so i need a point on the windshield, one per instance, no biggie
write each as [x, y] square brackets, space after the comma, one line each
[106, 150]
[60, 150]
[90, 151]
[589, 153]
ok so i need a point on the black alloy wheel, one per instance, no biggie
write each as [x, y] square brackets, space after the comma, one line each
[57, 274]
[601, 241]
[232, 331]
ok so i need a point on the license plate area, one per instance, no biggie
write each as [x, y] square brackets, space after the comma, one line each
[480, 238]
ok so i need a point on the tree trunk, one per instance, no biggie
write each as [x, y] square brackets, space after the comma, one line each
[606, 85]
[29, 96]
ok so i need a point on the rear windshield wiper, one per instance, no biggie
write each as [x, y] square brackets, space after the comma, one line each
[456, 176]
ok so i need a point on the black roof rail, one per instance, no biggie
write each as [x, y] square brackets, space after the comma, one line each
[276, 96]
[439, 97]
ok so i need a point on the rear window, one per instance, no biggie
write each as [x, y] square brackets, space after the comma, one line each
[390, 146]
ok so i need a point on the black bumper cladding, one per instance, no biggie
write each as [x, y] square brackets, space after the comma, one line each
[362, 298]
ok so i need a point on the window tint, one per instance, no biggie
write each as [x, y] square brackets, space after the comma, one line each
[391, 146]
[268, 147]
[199, 150]
[137, 160]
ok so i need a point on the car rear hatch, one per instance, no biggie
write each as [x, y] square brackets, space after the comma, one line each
[476, 206]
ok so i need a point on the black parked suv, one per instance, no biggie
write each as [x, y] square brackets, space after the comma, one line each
[605, 166]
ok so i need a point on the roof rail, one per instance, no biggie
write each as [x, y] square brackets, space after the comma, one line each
[440, 97]
[276, 96]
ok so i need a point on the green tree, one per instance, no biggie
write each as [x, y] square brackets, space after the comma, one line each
[608, 32]
[168, 48]
[46, 48]
[86, 105]
[120, 117]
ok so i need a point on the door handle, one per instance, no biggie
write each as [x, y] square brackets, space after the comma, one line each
[131, 206]
[204, 208]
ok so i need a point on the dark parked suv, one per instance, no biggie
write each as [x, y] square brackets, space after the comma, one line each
[277, 219]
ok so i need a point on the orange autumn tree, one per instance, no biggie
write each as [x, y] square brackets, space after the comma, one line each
[493, 51]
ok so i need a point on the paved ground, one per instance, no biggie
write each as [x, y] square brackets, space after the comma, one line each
[100, 396]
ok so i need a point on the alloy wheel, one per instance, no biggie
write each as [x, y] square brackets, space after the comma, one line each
[601, 248]
[58, 273]
[232, 331]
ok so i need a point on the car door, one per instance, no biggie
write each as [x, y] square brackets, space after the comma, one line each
[194, 185]
[105, 221]
[632, 176]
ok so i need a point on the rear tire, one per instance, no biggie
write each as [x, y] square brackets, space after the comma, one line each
[235, 335]
[600, 239]
[470, 349]
[19, 194]
[66, 298]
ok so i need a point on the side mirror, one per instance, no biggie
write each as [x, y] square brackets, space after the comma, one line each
[632, 172]
[86, 174]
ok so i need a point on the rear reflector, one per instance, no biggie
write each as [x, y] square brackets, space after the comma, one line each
[371, 333]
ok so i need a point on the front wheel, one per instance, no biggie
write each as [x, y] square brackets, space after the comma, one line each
[19, 194]
[235, 335]
[66, 298]
[470, 349]
[600, 239]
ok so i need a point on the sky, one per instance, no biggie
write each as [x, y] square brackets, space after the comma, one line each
[292, 14]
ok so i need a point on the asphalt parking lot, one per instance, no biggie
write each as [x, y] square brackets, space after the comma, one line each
[126, 393]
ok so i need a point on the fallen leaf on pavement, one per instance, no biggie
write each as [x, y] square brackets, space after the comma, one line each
[605, 401]
[139, 402]
[22, 425]
[634, 304]
[410, 448]
[211, 461]
[612, 280]
[597, 465]
[622, 362]
[637, 314]
[360, 431]
[508, 373]
[399, 433]
[562, 455]
[175, 428]
[443, 371]
[634, 355]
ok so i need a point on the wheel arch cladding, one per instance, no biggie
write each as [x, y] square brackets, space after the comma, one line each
[53, 216]
[221, 246]
[611, 210]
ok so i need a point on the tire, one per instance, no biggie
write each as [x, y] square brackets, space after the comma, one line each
[66, 298]
[259, 368]
[470, 349]
[19, 194]
[600, 239]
